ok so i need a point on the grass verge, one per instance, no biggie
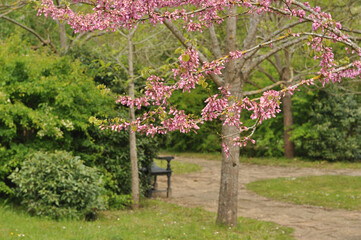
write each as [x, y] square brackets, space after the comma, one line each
[157, 220]
[327, 191]
[179, 167]
[302, 163]
[207, 156]
[272, 161]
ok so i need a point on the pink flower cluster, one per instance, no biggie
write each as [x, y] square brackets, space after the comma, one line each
[187, 70]
[268, 106]
[163, 117]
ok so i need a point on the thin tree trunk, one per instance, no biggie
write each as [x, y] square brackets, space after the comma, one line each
[63, 38]
[62, 34]
[228, 193]
[132, 137]
[287, 117]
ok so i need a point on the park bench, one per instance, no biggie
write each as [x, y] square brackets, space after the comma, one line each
[154, 171]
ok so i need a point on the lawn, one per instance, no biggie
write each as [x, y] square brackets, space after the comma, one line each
[327, 191]
[179, 167]
[155, 220]
[272, 161]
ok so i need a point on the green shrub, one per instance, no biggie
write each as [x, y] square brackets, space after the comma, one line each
[46, 102]
[58, 185]
[333, 129]
[120, 202]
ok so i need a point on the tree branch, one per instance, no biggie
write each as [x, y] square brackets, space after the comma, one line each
[12, 7]
[31, 31]
[184, 41]
[253, 83]
[260, 59]
[254, 92]
[308, 9]
[261, 69]
[215, 44]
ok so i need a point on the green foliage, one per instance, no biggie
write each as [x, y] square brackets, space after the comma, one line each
[120, 202]
[268, 136]
[333, 129]
[207, 138]
[111, 154]
[58, 185]
[326, 127]
[46, 102]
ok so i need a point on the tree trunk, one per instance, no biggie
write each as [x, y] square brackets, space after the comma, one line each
[132, 136]
[287, 117]
[62, 34]
[63, 38]
[228, 193]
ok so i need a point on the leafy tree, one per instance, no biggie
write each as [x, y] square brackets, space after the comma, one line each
[46, 102]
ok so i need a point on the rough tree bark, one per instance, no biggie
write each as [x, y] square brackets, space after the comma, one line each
[132, 136]
[228, 193]
[62, 34]
[286, 76]
[287, 120]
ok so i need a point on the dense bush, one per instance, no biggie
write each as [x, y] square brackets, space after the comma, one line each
[58, 185]
[45, 105]
[333, 129]
[111, 155]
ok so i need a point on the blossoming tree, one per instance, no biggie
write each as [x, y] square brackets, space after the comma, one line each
[229, 71]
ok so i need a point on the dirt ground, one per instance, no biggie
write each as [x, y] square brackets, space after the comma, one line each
[201, 190]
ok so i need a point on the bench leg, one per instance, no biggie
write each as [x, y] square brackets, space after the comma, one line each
[169, 189]
[155, 184]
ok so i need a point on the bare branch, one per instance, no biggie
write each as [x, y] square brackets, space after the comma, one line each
[215, 44]
[274, 64]
[260, 59]
[178, 34]
[351, 30]
[253, 83]
[150, 37]
[308, 9]
[45, 42]
[12, 7]
[94, 35]
[263, 89]
[261, 69]
[252, 30]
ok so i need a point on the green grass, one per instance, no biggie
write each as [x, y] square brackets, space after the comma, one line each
[327, 191]
[157, 220]
[272, 161]
[207, 156]
[302, 163]
[179, 167]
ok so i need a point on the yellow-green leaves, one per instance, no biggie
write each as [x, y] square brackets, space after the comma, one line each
[185, 58]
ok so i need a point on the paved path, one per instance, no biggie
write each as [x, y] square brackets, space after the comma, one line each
[201, 189]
